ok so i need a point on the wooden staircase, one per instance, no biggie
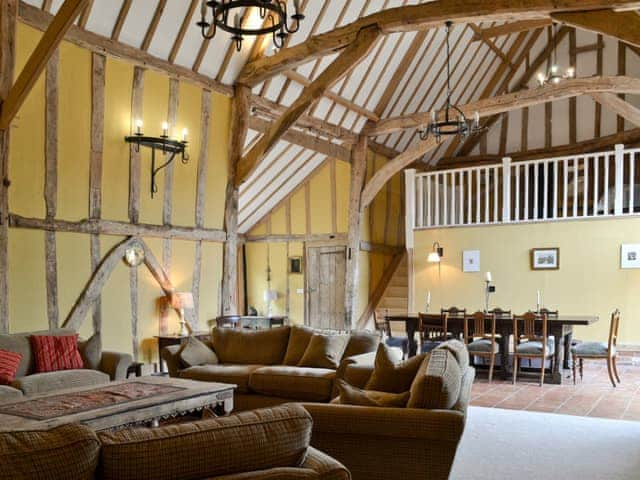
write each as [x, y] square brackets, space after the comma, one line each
[395, 299]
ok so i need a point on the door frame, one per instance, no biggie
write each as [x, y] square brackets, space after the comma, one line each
[306, 247]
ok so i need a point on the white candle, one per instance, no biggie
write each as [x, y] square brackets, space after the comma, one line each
[203, 8]
[428, 298]
[185, 134]
[165, 129]
[139, 127]
[487, 277]
[539, 299]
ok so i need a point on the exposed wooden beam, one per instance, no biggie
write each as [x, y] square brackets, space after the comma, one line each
[304, 140]
[84, 16]
[186, 23]
[413, 18]
[629, 138]
[509, 28]
[295, 238]
[122, 16]
[619, 106]
[345, 62]
[30, 73]
[41, 20]
[153, 26]
[487, 107]
[624, 26]
[494, 48]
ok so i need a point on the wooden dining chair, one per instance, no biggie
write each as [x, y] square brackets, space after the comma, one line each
[480, 338]
[600, 351]
[549, 313]
[498, 312]
[433, 331]
[531, 342]
[384, 326]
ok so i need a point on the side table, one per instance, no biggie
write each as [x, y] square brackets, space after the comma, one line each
[168, 340]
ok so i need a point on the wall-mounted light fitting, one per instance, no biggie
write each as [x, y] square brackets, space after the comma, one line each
[168, 147]
[436, 254]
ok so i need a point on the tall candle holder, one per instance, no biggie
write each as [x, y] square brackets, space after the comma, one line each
[488, 290]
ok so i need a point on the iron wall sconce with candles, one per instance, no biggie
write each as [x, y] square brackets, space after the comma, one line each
[163, 143]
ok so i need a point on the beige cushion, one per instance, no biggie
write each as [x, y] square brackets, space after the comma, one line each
[193, 352]
[9, 394]
[91, 352]
[389, 376]
[296, 383]
[437, 383]
[361, 342]
[458, 350]
[67, 452]
[250, 347]
[299, 339]
[249, 441]
[52, 381]
[324, 351]
[20, 343]
[238, 374]
[350, 395]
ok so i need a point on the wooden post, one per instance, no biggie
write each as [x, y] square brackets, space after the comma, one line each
[358, 172]
[8, 15]
[239, 126]
[167, 201]
[506, 190]
[410, 207]
[619, 179]
[134, 162]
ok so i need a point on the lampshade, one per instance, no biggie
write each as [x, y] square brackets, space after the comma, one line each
[270, 295]
[433, 257]
[186, 300]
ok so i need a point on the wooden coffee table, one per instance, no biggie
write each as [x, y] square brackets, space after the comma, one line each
[174, 397]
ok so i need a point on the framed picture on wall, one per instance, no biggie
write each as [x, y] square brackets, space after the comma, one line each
[545, 258]
[471, 261]
[630, 256]
[295, 264]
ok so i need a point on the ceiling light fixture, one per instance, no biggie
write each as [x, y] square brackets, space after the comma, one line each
[553, 76]
[227, 15]
[455, 122]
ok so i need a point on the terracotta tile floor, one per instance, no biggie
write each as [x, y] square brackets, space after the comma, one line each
[593, 397]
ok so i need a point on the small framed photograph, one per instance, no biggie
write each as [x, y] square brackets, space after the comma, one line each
[545, 258]
[630, 256]
[295, 264]
[471, 261]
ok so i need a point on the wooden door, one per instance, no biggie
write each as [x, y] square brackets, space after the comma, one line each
[325, 276]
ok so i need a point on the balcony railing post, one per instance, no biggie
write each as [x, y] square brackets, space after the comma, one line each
[619, 178]
[410, 201]
[506, 189]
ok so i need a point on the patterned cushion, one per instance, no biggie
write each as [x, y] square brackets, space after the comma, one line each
[391, 377]
[324, 351]
[350, 395]
[9, 363]
[299, 339]
[535, 348]
[484, 345]
[459, 351]
[437, 384]
[250, 347]
[67, 452]
[238, 374]
[361, 342]
[249, 441]
[20, 343]
[194, 352]
[592, 349]
[54, 353]
[51, 381]
[296, 383]
[9, 394]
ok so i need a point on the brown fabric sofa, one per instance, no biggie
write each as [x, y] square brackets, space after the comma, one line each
[383, 443]
[100, 367]
[264, 364]
[263, 444]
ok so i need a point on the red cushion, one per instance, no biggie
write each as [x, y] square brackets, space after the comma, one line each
[9, 363]
[56, 353]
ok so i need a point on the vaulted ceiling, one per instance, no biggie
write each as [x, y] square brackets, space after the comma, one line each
[403, 73]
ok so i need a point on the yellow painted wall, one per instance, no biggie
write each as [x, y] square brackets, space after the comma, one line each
[372, 265]
[27, 291]
[589, 281]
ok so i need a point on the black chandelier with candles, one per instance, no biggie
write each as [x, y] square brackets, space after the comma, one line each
[227, 15]
[455, 122]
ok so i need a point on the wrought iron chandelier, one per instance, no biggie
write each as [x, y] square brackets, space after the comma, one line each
[227, 15]
[455, 122]
[553, 76]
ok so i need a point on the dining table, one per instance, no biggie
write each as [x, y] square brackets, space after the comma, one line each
[560, 327]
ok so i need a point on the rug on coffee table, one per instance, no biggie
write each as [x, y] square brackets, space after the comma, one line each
[70, 403]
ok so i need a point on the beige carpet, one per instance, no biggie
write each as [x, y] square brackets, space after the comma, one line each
[521, 445]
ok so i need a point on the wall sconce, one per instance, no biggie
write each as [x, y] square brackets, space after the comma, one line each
[134, 255]
[435, 256]
[163, 143]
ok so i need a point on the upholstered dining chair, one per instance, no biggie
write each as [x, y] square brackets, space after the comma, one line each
[480, 338]
[531, 341]
[600, 351]
[383, 325]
